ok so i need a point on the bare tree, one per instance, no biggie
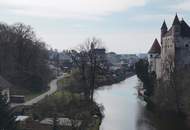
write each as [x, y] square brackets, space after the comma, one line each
[89, 59]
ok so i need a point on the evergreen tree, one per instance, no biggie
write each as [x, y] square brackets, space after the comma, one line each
[141, 68]
[7, 118]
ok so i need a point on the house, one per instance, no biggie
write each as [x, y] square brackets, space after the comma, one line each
[5, 88]
[174, 50]
[27, 123]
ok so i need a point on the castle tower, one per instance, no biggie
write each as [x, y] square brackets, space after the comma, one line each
[176, 27]
[164, 30]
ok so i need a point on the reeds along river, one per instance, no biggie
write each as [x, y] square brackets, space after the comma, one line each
[125, 111]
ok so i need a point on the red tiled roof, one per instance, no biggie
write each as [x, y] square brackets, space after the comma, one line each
[155, 47]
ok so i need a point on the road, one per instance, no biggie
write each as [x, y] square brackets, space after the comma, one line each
[53, 89]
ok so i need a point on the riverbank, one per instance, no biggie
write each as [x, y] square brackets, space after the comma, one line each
[67, 105]
[69, 84]
[114, 79]
[163, 115]
[70, 81]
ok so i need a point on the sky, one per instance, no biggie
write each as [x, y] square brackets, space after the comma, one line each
[124, 26]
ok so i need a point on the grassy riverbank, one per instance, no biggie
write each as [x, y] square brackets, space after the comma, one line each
[27, 93]
[66, 104]
[71, 82]
[69, 102]
[112, 79]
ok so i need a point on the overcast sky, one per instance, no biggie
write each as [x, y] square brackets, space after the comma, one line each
[125, 26]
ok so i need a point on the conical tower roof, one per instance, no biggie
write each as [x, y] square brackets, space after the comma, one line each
[176, 21]
[164, 26]
[155, 47]
[185, 29]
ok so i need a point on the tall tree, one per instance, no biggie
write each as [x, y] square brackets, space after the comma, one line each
[90, 60]
[141, 68]
[23, 57]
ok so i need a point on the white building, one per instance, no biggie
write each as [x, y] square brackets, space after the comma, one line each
[5, 88]
[154, 59]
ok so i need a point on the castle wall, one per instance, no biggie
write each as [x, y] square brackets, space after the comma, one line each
[175, 52]
[158, 68]
[168, 48]
[182, 58]
[155, 64]
[152, 62]
[167, 56]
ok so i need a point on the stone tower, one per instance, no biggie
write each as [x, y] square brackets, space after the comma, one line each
[175, 51]
[164, 30]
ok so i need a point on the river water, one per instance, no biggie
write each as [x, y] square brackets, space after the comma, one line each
[125, 111]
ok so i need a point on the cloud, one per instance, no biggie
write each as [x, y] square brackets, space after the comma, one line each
[69, 8]
[120, 42]
[154, 17]
[130, 41]
[183, 6]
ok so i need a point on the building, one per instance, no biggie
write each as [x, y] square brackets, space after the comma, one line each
[143, 56]
[113, 58]
[5, 88]
[154, 58]
[175, 49]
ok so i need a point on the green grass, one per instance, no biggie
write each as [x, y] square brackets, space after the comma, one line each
[95, 124]
[29, 94]
[32, 95]
[65, 82]
[66, 96]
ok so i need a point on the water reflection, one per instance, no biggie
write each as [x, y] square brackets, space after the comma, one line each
[124, 111]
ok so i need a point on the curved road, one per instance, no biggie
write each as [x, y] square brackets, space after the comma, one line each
[53, 89]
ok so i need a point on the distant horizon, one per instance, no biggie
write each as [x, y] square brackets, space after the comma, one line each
[125, 26]
[59, 51]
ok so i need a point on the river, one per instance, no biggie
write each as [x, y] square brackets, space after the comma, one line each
[125, 111]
